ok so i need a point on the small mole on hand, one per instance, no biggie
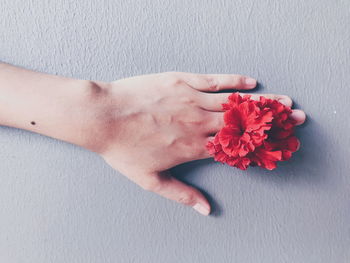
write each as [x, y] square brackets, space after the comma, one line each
[32, 123]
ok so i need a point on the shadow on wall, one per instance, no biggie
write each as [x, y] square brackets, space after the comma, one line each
[307, 168]
[308, 165]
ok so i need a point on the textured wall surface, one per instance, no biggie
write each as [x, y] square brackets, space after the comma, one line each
[60, 203]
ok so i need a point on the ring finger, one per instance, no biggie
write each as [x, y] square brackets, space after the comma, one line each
[214, 101]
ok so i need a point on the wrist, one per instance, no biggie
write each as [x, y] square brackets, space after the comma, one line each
[93, 115]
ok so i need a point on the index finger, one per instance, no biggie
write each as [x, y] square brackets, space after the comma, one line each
[217, 82]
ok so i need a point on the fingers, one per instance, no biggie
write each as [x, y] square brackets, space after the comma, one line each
[213, 102]
[211, 138]
[216, 121]
[169, 187]
[217, 82]
[281, 98]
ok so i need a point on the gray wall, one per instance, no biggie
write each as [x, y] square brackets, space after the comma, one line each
[60, 203]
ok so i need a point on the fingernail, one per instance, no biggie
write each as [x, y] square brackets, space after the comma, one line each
[201, 209]
[250, 81]
[299, 116]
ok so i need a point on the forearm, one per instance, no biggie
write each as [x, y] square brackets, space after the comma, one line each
[58, 107]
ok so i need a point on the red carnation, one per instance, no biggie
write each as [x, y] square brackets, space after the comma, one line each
[255, 133]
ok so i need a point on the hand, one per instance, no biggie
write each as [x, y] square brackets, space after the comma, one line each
[142, 126]
[152, 123]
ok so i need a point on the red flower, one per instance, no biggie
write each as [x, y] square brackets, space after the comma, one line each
[255, 133]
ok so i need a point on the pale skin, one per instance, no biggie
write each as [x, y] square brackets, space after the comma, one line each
[141, 126]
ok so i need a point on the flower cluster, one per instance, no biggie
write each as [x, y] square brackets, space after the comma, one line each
[256, 132]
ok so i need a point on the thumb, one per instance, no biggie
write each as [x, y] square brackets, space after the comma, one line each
[169, 187]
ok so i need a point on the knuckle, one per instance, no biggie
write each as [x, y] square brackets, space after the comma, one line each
[212, 83]
[214, 88]
[172, 78]
[200, 122]
[189, 100]
[186, 199]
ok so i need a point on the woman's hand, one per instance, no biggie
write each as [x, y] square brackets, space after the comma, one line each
[142, 126]
[152, 123]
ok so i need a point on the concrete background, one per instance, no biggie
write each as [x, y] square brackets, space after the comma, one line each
[60, 203]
